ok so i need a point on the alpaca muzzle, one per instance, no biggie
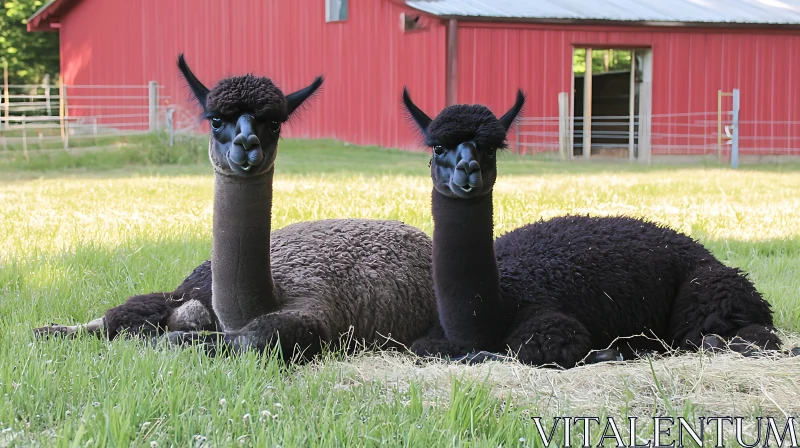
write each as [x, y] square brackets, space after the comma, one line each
[467, 175]
[246, 151]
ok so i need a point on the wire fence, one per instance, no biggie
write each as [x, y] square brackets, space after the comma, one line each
[680, 134]
[44, 118]
[55, 117]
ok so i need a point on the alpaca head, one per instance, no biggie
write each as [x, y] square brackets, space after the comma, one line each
[245, 113]
[464, 140]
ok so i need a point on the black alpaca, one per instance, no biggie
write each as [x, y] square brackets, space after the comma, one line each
[553, 291]
[301, 286]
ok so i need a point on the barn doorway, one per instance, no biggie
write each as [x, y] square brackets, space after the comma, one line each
[607, 99]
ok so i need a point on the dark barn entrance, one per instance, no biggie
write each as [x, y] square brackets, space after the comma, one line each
[610, 101]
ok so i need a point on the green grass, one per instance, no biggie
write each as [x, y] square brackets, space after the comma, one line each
[82, 232]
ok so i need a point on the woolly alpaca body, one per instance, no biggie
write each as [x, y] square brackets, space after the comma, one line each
[553, 291]
[305, 284]
[380, 285]
[574, 284]
[604, 278]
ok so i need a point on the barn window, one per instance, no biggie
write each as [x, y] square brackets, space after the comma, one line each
[412, 22]
[335, 10]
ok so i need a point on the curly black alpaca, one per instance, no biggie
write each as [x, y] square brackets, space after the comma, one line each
[301, 286]
[553, 291]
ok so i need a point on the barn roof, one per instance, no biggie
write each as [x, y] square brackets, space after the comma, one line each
[645, 12]
[48, 16]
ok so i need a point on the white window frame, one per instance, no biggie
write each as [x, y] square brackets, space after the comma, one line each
[333, 10]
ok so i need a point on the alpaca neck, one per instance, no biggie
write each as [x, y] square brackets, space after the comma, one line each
[241, 275]
[465, 274]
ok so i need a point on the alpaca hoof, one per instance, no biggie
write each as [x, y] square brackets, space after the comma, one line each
[55, 330]
[603, 356]
[747, 349]
[713, 344]
[213, 342]
[185, 338]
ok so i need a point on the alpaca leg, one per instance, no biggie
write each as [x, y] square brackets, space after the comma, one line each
[93, 327]
[554, 338]
[300, 335]
[187, 308]
[146, 314]
[718, 300]
[435, 344]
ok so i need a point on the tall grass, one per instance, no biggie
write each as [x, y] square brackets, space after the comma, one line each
[82, 233]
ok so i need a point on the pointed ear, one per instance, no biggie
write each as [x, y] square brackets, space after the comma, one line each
[508, 119]
[296, 99]
[199, 91]
[419, 117]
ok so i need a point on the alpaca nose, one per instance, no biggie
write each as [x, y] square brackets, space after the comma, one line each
[467, 175]
[246, 151]
[467, 158]
[246, 141]
[245, 132]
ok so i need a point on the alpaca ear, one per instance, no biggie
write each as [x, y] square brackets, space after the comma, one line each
[199, 91]
[419, 117]
[296, 99]
[508, 119]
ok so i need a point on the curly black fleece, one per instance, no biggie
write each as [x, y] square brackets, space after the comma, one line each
[459, 123]
[235, 95]
[552, 291]
[573, 284]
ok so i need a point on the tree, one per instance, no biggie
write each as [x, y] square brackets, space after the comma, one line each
[29, 55]
[603, 60]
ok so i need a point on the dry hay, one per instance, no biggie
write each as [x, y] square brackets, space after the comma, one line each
[713, 384]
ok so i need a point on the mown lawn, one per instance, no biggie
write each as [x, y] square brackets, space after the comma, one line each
[74, 242]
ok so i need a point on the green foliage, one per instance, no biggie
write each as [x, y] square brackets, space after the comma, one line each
[29, 55]
[602, 60]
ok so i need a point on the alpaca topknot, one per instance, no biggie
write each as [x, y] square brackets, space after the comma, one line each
[461, 122]
[236, 95]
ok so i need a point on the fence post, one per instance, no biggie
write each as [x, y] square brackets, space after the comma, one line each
[735, 133]
[719, 126]
[152, 88]
[25, 139]
[645, 122]
[631, 110]
[563, 125]
[62, 108]
[516, 136]
[46, 85]
[94, 130]
[171, 125]
[6, 96]
[587, 106]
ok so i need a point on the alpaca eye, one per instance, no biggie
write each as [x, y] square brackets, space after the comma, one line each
[491, 152]
[216, 123]
[438, 150]
[274, 125]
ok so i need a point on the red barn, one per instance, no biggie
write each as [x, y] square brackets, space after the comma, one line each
[646, 74]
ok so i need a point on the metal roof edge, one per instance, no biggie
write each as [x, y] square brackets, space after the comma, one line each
[609, 22]
[42, 14]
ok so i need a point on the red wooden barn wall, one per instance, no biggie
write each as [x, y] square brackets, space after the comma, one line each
[689, 67]
[366, 60]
